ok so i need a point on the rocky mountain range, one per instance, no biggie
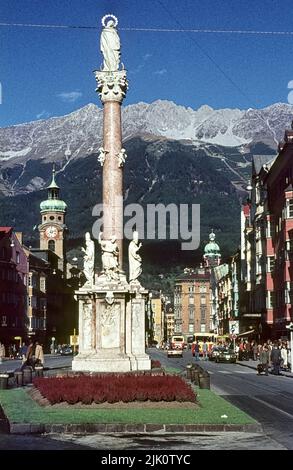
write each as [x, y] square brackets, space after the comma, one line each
[175, 154]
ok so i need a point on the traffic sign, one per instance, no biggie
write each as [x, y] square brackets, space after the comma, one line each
[73, 340]
[234, 327]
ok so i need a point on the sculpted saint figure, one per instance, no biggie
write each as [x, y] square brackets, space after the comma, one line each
[110, 254]
[134, 258]
[110, 47]
[89, 259]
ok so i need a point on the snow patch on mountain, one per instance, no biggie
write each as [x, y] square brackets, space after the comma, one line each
[14, 153]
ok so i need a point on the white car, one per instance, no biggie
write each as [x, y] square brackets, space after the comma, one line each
[177, 352]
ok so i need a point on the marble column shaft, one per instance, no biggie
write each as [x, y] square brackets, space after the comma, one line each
[113, 175]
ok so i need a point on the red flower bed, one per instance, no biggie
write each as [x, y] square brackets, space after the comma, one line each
[155, 364]
[112, 388]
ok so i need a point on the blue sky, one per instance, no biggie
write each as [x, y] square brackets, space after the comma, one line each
[48, 72]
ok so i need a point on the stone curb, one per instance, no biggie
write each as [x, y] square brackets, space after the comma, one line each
[18, 428]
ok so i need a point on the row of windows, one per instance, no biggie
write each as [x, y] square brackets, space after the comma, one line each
[35, 302]
[12, 298]
[191, 328]
[52, 217]
[277, 227]
[8, 321]
[5, 254]
[281, 297]
[36, 282]
[289, 208]
[37, 323]
[201, 289]
[203, 300]
[10, 275]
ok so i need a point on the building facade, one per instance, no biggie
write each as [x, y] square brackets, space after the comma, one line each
[266, 278]
[169, 321]
[13, 287]
[192, 302]
[158, 317]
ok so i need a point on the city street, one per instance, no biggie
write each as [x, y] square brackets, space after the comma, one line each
[51, 361]
[268, 399]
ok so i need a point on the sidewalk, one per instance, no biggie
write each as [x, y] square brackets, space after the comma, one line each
[253, 365]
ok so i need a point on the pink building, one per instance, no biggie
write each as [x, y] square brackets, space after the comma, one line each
[267, 243]
[13, 291]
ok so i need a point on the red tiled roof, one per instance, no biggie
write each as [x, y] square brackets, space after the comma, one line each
[5, 229]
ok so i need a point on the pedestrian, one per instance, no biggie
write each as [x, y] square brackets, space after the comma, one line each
[270, 347]
[284, 356]
[23, 351]
[196, 351]
[248, 351]
[289, 358]
[2, 352]
[30, 355]
[255, 351]
[205, 351]
[276, 359]
[264, 358]
[39, 354]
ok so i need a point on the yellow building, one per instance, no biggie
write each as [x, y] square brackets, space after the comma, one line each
[192, 302]
[169, 321]
[158, 318]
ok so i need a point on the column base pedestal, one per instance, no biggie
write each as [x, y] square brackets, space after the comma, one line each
[92, 363]
[111, 328]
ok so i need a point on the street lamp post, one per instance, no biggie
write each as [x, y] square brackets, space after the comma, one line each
[290, 328]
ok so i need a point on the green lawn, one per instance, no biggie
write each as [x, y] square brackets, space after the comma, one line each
[20, 408]
[172, 370]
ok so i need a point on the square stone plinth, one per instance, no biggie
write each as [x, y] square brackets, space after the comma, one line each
[101, 364]
[111, 329]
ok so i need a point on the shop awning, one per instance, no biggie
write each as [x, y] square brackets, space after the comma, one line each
[246, 333]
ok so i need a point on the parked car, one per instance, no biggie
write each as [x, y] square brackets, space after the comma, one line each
[224, 355]
[214, 353]
[66, 350]
[175, 352]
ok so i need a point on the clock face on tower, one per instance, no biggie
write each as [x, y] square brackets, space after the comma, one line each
[51, 231]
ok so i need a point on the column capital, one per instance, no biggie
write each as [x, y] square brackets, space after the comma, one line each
[111, 86]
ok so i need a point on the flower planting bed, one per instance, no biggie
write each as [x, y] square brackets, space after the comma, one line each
[113, 388]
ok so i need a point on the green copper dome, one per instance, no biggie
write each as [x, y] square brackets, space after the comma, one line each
[53, 203]
[212, 248]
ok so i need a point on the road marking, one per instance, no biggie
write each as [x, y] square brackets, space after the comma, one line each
[225, 372]
[273, 407]
[244, 372]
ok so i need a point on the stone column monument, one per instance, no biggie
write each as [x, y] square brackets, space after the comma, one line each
[111, 310]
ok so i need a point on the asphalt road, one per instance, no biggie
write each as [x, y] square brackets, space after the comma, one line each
[267, 399]
[55, 361]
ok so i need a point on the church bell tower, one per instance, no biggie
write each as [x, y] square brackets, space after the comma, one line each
[53, 229]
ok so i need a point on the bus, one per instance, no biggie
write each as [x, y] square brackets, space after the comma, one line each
[177, 342]
[222, 339]
[208, 338]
